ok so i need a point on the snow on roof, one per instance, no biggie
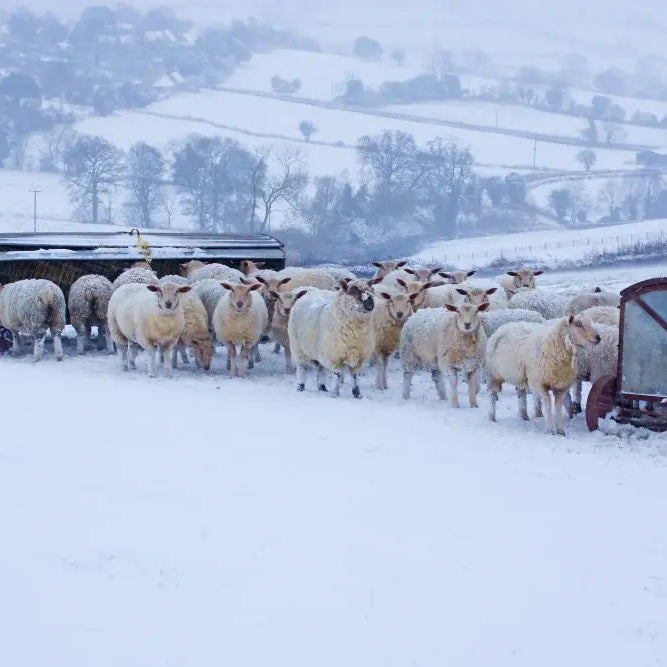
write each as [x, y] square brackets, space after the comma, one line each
[164, 81]
[160, 35]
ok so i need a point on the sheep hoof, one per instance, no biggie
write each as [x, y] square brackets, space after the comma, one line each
[321, 387]
[301, 387]
[356, 392]
[576, 407]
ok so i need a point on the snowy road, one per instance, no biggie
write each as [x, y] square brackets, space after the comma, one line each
[208, 521]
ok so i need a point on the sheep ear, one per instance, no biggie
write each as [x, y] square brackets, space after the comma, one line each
[471, 273]
[402, 283]
[462, 292]
[298, 295]
[492, 290]
[512, 273]
[260, 265]
[427, 286]
[244, 281]
[445, 275]
[412, 272]
[377, 265]
[434, 271]
[482, 307]
[571, 319]
[153, 288]
[184, 289]
[274, 294]
[451, 308]
[254, 287]
[260, 279]
[413, 297]
[385, 295]
[597, 290]
[400, 265]
[344, 284]
[374, 281]
[284, 281]
[227, 286]
[538, 273]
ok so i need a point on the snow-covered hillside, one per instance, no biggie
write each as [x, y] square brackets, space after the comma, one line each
[205, 520]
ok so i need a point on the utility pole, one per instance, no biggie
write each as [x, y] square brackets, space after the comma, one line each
[35, 192]
[535, 154]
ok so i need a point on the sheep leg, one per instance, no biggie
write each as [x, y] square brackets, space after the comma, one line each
[452, 377]
[58, 347]
[184, 354]
[170, 352]
[38, 348]
[247, 359]
[321, 377]
[537, 405]
[16, 344]
[151, 361]
[522, 395]
[231, 358]
[250, 356]
[81, 335]
[124, 355]
[288, 360]
[107, 338]
[161, 356]
[577, 396]
[472, 389]
[559, 395]
[407, 384]
[276, 348]
[258, 356]
[548, 410]
[356, 392]
[133, 350]
[381, 362]
[568, 404]
[301, 372]
[174, 357]
[438, 381]
[336, 389]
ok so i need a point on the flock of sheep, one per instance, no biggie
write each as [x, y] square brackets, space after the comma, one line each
[507, 331]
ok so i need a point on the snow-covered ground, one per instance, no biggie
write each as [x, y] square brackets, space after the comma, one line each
[203, 520]
[552, 245]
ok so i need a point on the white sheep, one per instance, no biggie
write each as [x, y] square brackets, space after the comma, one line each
[391, 311]
[386, 267]
[283, 303]
[87, 302]
[418, 292]
[457, 277]
[539, 357]
[421, 275]
[135, 275]
[454, 294]
[196, 334]
[147, 315]
[31, 307]
[593, 362]
[449, 341]
[608, 315]
[334, 331]
[195, 270]
[590, 299]
[209, 292]
[512, 281]
[176, 280]
[249, 268]
[550, 305]
[240, 318]
[492, 320]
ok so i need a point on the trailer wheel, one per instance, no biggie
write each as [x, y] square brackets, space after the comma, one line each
[600, 400]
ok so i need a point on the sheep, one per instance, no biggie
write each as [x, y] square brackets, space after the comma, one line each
[390, 313]
[383, 269]
[539, 357]
[147, 315]
[249, 268]
[135, 274]
[550, 305]
[196, 334]
[32, 306]
[338, 274]
[588, 299]
[176, 280]
[209, 291]
[512, 281]
[417, 291]
[492, 320]
[423, 273]
[445, 342]
[334, 331]
[454, 294]
[87, 302]
[456, 277]
[410, 275]
[608, 315]
[196, 270]
[240, 318]
[592, 363]
[283, 303]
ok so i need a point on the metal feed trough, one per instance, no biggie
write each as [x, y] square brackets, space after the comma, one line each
[637, 394]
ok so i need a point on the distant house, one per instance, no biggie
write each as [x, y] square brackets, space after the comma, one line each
[163, 36]
[645, 118]
[652, 158]
[169, 82]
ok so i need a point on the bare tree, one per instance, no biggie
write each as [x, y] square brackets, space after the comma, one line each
[145, 169]
[613, 131]
[587, 158]
[609, 197]
[632, 193]
[169, 206]
[307, 129]
[56, 144]
[590, 132]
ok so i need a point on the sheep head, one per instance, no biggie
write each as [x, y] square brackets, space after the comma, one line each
[476, 295]
[456, 277]
[416, 291]
[581, 331]
[285, 300]
[361, 291]
[386, 267]
[467, 316]
[399, 306]
[188, 268]
[240, 295]
[423, 274]
[168, 296]
[249, 267]
[204, 350]
[271, 285]
[524, 277]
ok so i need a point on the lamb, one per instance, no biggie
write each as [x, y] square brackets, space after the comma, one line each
[513, 281]
[608, 315]
[209, 291]
[492, 320]
[539, 357]
[87, 302]
[147, 315]
[334, 331]
[283, 303]
[417, 291]
[390, 313]
[196, 334]
[457, 277]
[450, 341]
[135, 274]
[32, 306]
[383, 269]
[550, 305]
[592, 363]
[176, 280]
[240, 318]
[195, 270]
[588, 299]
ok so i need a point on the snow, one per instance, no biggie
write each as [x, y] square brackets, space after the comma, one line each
[551, 245]
[328, 532]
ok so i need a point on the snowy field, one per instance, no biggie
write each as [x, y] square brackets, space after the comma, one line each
[552, 245]
[237, 521]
